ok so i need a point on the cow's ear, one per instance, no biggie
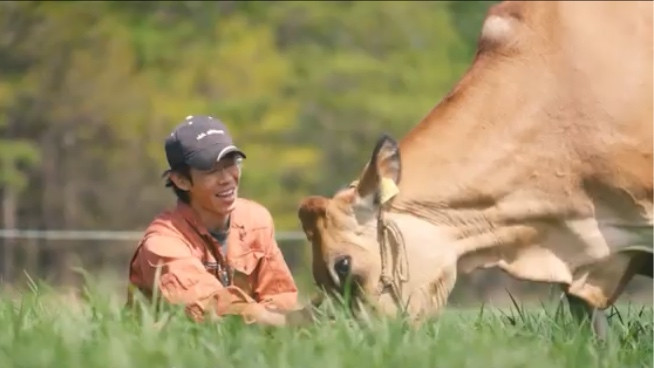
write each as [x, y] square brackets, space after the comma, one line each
[380, 178]
[311, 208]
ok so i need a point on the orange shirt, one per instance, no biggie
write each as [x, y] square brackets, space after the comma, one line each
[177, 242]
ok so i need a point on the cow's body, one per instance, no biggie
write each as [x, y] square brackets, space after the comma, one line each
[538, 162]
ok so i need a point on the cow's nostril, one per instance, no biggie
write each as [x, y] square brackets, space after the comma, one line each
[342, 266]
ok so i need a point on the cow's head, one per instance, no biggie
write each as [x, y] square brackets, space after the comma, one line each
[354, 247]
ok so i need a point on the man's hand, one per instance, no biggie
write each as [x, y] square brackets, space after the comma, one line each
[259, 314]
[268, 316]
[300, 317]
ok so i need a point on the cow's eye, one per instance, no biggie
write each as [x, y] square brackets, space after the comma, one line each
[342, 266]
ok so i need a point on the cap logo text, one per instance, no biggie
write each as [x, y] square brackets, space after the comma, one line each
[208, 132]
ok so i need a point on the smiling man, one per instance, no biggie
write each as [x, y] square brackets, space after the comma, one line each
[214, 253]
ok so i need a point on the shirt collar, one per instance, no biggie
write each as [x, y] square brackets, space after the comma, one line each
[187, 212]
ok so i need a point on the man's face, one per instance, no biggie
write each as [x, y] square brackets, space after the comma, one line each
[216, 190]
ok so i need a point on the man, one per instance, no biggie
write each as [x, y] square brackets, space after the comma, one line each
[215, 253]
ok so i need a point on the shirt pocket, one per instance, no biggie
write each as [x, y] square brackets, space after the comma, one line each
[247, 262]
[244, 267]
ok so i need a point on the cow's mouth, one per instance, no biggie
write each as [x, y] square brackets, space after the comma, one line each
[347, 294]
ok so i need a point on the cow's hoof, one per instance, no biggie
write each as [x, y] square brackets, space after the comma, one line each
[581, 311]
[600, 324]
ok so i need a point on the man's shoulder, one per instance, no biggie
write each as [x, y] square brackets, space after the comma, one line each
[164, 237]
[164, 223]
[166, 233]
[253, 213]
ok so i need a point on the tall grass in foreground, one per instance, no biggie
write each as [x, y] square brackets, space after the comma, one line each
[44, 329]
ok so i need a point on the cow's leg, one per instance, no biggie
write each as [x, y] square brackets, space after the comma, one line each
[580, 310]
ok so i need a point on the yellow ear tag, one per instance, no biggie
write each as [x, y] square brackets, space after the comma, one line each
[388, 190]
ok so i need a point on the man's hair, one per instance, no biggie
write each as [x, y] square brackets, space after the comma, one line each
[182, 195]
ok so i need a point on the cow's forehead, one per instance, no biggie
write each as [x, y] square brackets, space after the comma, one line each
[337, 218]
[339, 204]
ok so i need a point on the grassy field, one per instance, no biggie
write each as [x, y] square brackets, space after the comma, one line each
[41, 328]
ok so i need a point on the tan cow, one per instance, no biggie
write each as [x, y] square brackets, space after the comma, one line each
[538, 162]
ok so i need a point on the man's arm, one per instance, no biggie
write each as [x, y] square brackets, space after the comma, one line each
[275, 284]
[180, 278]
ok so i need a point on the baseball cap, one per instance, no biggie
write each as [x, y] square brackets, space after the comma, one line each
[199, 142]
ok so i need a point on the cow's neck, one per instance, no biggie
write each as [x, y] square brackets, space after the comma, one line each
[517, 181]
[483, 191]
[510, 147]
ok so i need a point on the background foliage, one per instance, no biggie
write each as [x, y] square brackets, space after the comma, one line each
[89, 90]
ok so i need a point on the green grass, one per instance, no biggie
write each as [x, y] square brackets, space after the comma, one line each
[41, 328]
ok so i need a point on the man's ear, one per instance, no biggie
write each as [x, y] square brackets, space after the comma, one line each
[381, 175]
[311, 208]
[180, 180]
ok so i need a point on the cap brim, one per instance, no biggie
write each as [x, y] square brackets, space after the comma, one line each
[205, 159]
[227, 150]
